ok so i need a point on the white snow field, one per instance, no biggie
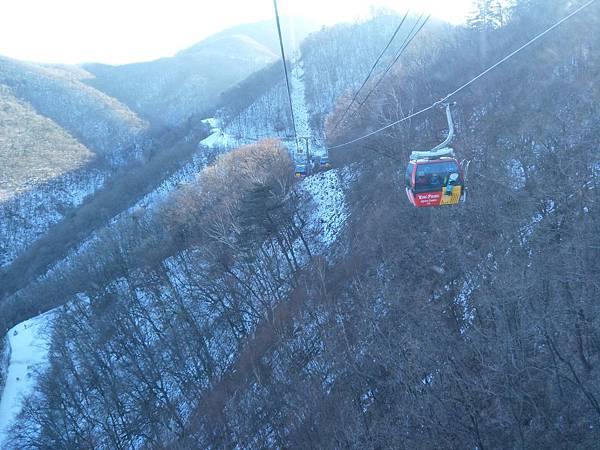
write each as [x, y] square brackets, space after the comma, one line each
[330, 212]
[28, 343]
[218, 138]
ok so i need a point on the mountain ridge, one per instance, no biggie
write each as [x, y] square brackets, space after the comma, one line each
[171, 89]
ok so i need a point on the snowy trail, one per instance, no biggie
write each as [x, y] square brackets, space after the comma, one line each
[29, 343]
[329, 211]
[300, 106]
[299, 101]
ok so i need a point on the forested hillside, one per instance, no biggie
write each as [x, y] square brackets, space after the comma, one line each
[246, 309]
[66, 131]
[27, 145]
[98, 121]
[60, 141]
[333, 61]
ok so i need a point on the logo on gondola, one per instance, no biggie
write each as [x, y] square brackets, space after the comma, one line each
[430, 198]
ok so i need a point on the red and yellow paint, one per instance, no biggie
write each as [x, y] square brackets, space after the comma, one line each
[438, 198]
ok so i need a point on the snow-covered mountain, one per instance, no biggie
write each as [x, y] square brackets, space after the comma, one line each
[265, 116]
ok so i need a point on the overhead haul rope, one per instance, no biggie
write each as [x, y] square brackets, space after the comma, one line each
[467, 84]
[285, 69]
[371, 71]
[409, 38]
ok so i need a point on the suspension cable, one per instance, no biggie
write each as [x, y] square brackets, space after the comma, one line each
[371, 71]
[285, 69]
[409, 38]
[473, 80]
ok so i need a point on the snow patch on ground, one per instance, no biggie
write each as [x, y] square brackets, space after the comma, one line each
[462, 300]
[471, 282]
[212, 122]
[516, 173]
[596, 170]
[29, 343]
[220, 139]
[329, 211]
[527, 230]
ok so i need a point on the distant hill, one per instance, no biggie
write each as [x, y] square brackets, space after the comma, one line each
[169, 90]
[33, 148]
[263, 33]
[100, 122]
[60, 139]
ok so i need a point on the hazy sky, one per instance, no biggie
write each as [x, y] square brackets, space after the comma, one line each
[122, 31]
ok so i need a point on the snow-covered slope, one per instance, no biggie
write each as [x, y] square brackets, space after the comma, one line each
[98, 121]
[326, 192]
[28, 345]
[29, 215]
[60, 140]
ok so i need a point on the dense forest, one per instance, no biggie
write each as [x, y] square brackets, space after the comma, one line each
[254, 311]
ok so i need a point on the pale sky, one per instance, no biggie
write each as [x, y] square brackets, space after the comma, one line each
[123, 31]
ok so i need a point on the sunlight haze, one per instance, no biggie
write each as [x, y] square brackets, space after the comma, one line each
[118, 32]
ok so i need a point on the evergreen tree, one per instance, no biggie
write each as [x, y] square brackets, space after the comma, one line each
[488, 15]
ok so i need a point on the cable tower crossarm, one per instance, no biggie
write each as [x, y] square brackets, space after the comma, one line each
[473, 80]
[285, 69]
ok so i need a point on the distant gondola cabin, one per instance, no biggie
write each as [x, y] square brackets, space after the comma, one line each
[324, 162]
[300, 171]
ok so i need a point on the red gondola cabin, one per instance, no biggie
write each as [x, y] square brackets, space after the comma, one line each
[434, 182]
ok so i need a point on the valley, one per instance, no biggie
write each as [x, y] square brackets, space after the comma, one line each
[166, 281]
